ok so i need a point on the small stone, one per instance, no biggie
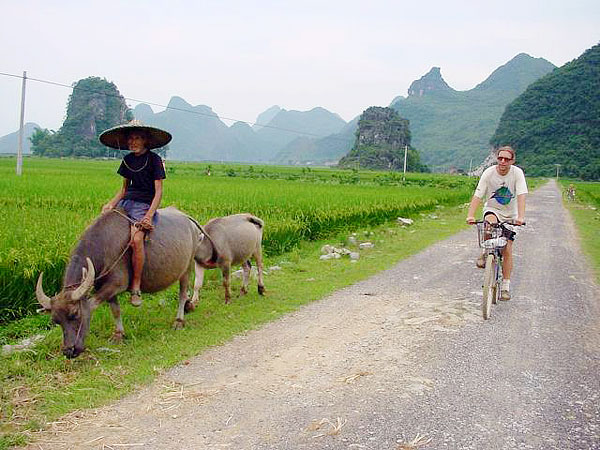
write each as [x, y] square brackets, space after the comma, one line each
[326, 249]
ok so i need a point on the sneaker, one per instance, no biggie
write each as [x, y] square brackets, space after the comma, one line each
[136, 298]
[480, 262]
[505, 294]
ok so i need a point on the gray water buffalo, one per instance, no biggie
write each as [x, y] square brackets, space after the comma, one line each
[102, 261]
[233, 240]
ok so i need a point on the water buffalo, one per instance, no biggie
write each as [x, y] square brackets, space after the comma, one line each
[101, 260]
[233, 240]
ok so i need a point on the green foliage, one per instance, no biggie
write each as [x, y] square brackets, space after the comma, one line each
[380, 140]
[383, 158]
[555, 121]
[94, 106]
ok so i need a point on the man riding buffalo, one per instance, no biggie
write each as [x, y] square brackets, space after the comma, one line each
[141, 192]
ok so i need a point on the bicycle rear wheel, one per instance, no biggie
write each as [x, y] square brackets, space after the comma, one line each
[498, 280]
[495, 283]
[488, 291]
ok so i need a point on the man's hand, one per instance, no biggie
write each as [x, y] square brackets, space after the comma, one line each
[471, 220]
[146, 224]
[519, 221]
[108, 207]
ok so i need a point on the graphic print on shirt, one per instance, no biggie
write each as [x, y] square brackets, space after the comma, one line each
[503, 195]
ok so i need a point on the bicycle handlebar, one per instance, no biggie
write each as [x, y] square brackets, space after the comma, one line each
[498, 224]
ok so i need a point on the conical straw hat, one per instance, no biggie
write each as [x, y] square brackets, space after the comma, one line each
[116, 137]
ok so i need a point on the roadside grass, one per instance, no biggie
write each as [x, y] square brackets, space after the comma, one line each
[40, 385]
[585, 211]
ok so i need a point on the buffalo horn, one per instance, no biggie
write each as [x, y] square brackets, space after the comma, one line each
[87, 282]
[42, 298]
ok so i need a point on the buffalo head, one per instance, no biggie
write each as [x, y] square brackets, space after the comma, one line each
[71, 308]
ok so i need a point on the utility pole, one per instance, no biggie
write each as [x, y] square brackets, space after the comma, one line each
[470, 167]
[405, 152]
[20, 143]
[557, 169]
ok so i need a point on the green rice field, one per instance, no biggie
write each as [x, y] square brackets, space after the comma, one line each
[48, 207]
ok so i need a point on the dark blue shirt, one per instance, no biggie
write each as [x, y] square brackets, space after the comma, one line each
[141, 172]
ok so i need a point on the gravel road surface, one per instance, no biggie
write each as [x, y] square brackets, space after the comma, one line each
[402, 360]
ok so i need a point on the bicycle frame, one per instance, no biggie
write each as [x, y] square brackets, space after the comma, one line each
[491, 239]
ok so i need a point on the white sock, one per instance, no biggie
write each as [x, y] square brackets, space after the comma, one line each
[506, 285]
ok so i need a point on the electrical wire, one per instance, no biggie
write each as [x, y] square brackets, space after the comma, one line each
[214, 116]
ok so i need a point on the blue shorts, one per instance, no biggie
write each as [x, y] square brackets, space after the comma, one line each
[136, 210]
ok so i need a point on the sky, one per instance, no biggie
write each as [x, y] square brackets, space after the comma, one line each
[242, 57]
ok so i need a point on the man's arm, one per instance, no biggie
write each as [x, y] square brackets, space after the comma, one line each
[118, 196]
[521, 209]
[158, 191]
[475, 202]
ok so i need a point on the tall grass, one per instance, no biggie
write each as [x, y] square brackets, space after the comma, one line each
[49, 206]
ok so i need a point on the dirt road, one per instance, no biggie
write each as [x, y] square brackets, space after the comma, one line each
[403, 358]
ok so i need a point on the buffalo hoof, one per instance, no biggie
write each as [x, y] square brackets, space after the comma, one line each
[189, 307]
[117, 337]
[179, 324]
[261, 290]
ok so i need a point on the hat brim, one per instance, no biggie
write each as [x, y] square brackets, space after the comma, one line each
[117, 137]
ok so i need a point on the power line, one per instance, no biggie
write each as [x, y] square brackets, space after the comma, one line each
[213, 116]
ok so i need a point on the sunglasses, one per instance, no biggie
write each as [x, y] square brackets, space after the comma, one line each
[502, 158]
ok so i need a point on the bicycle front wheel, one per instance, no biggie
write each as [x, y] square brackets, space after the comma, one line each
[488, 291]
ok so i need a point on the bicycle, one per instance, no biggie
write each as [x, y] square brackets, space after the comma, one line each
[491, 239]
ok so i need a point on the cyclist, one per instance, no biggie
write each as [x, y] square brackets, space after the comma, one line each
[499, 186]
[571, 192]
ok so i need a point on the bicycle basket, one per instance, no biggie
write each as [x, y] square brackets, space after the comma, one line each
[498, 242]
[490, 236]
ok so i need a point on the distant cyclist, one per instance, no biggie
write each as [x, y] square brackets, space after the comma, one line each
[571, 192]
[499, 186]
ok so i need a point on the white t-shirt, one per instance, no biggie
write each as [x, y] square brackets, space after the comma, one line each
[500, 192]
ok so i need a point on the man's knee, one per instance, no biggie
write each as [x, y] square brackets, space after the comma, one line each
[490, 217]
[137, 239]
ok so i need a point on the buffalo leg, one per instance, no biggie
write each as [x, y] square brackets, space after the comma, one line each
[226, 269]
[259, 269]
[115, 309]
[109, 292]
[198, 282]
[183, 286]
[246, 267]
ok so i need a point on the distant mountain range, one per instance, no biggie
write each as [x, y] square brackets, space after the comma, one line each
[451, 128]
[199, 134]
[448, 127]
[9, 143]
